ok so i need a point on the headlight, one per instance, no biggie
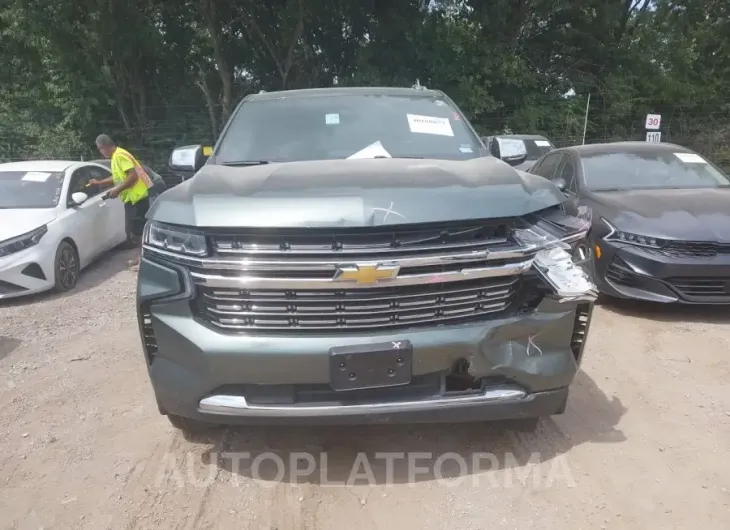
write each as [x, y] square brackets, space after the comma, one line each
[16, 244]
[175, 239]
[632, 239]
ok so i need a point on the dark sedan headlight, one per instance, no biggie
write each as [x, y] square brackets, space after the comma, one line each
[619, 236]
[16, 244]
[175, 239]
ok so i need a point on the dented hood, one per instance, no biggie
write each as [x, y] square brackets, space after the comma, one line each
[353, 193]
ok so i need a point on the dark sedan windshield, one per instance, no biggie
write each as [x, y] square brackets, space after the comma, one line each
[645, 169]
[337, 127]
[30, 189]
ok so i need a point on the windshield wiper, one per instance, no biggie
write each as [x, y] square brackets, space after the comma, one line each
[246, 162]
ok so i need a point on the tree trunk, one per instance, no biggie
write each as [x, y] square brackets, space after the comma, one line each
[210, 11]
[210, 103]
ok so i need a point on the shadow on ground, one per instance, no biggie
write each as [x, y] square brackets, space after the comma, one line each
[92, 276]
[8, 345]
[401, 454]
[710, 314]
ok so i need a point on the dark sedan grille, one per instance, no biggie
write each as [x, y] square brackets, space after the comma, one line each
[326, 309]
[694, 249]
[702, 289]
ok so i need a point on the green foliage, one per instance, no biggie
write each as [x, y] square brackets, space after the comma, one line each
[156, 73]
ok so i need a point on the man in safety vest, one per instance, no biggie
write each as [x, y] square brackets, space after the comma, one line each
[131, 185]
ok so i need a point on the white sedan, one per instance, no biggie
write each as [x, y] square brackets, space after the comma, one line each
[53, 224]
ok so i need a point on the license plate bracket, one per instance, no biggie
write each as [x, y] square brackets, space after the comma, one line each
[366, 366]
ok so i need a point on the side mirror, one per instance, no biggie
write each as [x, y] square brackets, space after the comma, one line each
[512, 150]
[79, 198]
[560, 183]
[187, 158]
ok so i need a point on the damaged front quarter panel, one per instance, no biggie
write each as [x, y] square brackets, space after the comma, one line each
[553, 234]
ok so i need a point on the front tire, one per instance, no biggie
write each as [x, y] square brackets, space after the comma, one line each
[66, 267]
[189, 428]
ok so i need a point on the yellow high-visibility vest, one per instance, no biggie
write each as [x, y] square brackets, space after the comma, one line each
[121, 162]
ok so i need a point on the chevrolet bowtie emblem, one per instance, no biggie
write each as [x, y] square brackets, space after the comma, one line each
[366, 274]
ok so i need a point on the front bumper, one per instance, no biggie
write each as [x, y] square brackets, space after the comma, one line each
[525, 364]
[26, 272]
[626, 271]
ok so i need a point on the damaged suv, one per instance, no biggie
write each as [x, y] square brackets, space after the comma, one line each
[355, 255]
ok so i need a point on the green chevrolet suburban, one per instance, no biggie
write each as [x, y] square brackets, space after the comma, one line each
[356, 255]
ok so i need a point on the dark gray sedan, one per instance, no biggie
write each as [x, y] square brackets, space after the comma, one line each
[661, 220]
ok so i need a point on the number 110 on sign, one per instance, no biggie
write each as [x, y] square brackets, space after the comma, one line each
[654, 137]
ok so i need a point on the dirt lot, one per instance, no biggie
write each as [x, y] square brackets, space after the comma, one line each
[644, 442]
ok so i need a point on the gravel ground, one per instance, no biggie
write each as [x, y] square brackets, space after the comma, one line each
[644, 442]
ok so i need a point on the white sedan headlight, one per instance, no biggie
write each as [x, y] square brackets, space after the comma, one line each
[16, 244]
[175, 239]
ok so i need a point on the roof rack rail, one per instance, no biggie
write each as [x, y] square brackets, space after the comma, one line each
[418, 86]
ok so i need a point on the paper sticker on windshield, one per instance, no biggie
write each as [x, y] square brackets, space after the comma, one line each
[542, 143]
[374, 150]
[429, 125]
[36, 176]
[465, 148]
[332, 119]
[690, 158]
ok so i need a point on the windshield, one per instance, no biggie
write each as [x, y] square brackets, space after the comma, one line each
[338, 127]
[649, 170]
[537, 148]
[30, 189]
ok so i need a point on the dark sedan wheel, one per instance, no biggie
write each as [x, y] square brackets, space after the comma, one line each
[66, 267]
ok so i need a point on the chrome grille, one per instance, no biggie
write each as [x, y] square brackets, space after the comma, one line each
[357, 278]
[351, 309]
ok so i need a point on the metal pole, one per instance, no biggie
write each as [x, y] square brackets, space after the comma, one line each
[585, 123]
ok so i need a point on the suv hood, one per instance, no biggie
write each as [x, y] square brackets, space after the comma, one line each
[19, 221]
[352, 193]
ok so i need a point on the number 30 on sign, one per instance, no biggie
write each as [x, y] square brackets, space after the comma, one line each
[654, 137]
[653, 121]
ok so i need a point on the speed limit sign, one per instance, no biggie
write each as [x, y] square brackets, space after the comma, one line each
[653, 121]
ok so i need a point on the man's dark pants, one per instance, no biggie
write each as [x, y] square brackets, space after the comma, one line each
[135, 217]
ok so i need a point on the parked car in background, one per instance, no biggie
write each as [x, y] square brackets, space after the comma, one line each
[158, 183]
[535, 145]
[354, 255]
[661, 218]
[53, 224]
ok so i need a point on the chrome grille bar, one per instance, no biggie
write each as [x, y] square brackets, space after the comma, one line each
[330, 261]
[403, 279]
